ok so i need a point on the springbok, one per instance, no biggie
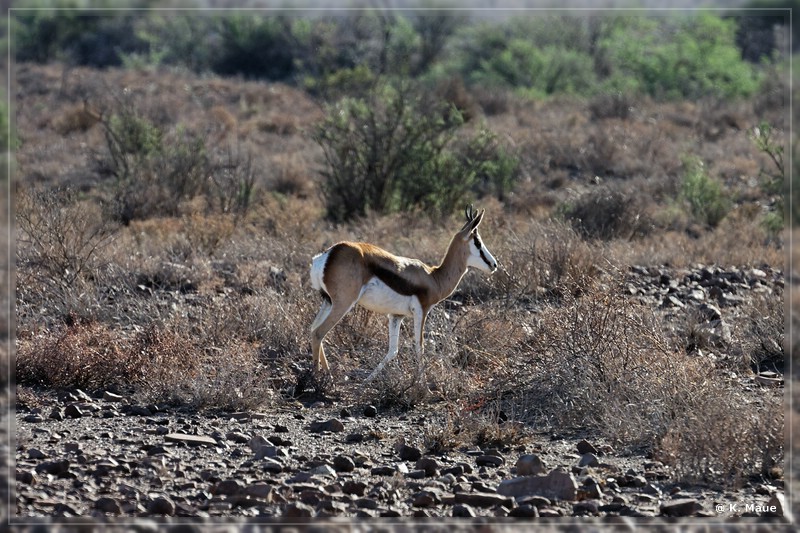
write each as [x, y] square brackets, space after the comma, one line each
[350, 273]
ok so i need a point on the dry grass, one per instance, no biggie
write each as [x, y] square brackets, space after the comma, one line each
[210, 308]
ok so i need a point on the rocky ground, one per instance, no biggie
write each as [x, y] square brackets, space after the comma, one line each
[107, 457]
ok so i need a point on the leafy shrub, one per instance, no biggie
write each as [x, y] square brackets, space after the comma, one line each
[254, 46]
[157, 169]
[395, 150]
[705, 198]
[688, 57]
[773, 181]
[78, 37]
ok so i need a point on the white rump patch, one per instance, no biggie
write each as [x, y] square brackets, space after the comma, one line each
[318, 269]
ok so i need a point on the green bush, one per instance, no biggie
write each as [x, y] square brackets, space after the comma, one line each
[254, 47]
[689, 57]
[94, 39]
[154, 169]
[773, 179]
[705, 198]
[396, 149]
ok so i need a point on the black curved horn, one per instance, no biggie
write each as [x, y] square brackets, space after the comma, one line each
[469, 211]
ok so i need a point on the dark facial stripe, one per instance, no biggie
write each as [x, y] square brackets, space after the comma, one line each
[479, 246]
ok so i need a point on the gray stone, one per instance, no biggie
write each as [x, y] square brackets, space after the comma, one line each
[111, 397]
[409, 453]
[161, 506]
[333, 425]
[558, 484]
[588, 459]
[584, 447]
[530, 464]
[462, 510]
[228, 487]
[271, 465]
[428, 464]
[298, 510]
[683, 507]
[108, 505]
[323, 470]
[342, 463]
[73, 411]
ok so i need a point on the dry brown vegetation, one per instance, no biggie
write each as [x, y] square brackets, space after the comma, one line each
[209, 305]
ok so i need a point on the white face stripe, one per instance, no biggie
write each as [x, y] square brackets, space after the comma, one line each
[480, 257]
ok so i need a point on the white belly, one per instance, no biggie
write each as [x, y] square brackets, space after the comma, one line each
[379, 298]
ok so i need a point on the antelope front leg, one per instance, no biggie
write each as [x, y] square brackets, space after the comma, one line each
[394, 343]
[419, 338]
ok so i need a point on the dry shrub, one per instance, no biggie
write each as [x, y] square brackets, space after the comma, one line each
[289, 174]
[452, 90]
[400, 385]
[85, 355]
[726, 437]
[611, 105]
[59, 236]
[600, 362]
[77, 117]
[493, 101]
[477, 422]
[760, 333]
[206, 233]
[607, 213]
[543, 261]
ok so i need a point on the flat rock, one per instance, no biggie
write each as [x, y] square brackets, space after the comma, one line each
[489, 460]
[683, 507]
[111, 397]
[333, 425]
[558, 484]
[484, 499]
[191, 440]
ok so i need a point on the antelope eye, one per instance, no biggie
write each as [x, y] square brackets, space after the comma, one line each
[477, 241]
